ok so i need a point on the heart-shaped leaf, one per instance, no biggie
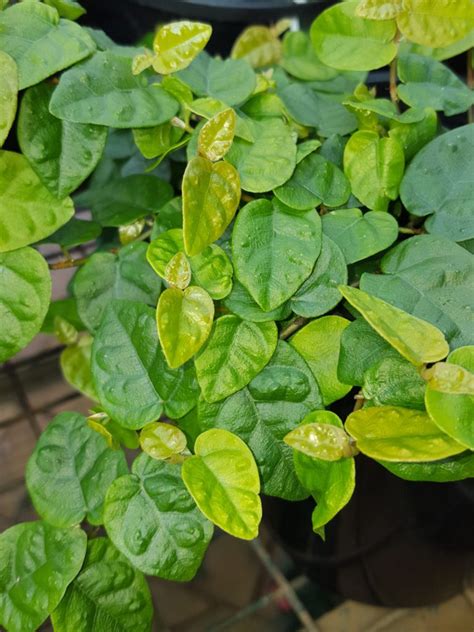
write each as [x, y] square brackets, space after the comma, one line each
[300, 59]
[76, 366]
[8, 94]
[177, 44]
[161, 440]
[212, 270]
[240, 302]
[178, 271]
[222, 477]
[217, 134]
[259, 45]
[161, 250]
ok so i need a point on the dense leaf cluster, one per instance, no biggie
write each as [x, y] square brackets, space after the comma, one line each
[268, 237]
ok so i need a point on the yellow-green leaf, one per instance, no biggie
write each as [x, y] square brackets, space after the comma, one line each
[76, 366]
[211, 194]
[177, 44]
[184, 320]
[217, 134]
[416, 340]
[259, 45]
[162, 441]
[178, 271]
[392, 433]
[320, 439]
[161, 250]
[222, 477]
[8, 94]
[379, 9]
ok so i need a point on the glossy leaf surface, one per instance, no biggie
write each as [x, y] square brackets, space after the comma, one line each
[161, 440]
[8, 94]
[177, 44]
[217, 134]
[320, 440]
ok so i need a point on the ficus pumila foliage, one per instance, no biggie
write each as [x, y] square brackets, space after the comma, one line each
[268, 236]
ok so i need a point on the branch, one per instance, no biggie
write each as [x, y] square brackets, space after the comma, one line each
[292, 327]
[68, 263]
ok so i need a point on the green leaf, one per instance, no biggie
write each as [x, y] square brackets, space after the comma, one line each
[314, 181]
[431, 278]
[184, 320]
[435, 25]
[454, 468]
[155, 141]
[416, 340]
[216, 136]
[62, 154]
[374, 167]
[463, 356]
[383, 108]
[178, 271]
[106, 276]
[76, 366]
[40, 43]
[392, 433]
[360, 235]
[211, 195]
[65, 308]
[306, 148]
[103, 91]
[429, 188]
[259, 45]
[38, 562]
[379, 9]
[320, 440]
[319, 343]
[428, 83]
[222, 477]
[319, 292]
[240, 302]
[331, 483]
[8, 94]
[74, 233]
[269, 160]
[393, 381]
[177, 44]
[153, 521]
[264, 230]
[29, 211]
[67, 8]
[25, 292]
[300, 60]
[212, 270]
[169, 216]
[413, 136]
[449, 401]
[162, 440]
[345, 41]
[237, 350]
[70, 470]
[107, 595]
[231, 81]
[128, 366]
[262, 413]
[161, 250]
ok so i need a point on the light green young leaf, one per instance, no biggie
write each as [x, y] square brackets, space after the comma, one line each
[161, 250]
[416, 340]
[360, 235]
[38, 562]
[178, 271]
[68, 9]
[463, 356]
[154, 141]
[392, 433]
[264, 230]
[345, 41]
[379, 9]
[70, 470]
[108, 594]
[217, 134]
[319, 343]
[162, 440]
[25, 293]
[300, 60]
[320, 440]
[75, 363]
[177, 44]
[211, 195]
[374, 167]
[212, 270]
[40, 43]
[8, 94]
[259, 45]
[184, 320]
[103, 91]
[413, 136]
[222, 477]
[29, 211]
[237, 350]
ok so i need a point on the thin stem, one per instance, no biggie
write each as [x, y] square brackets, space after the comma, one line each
[292, 327]
[68, 263]
[393, 81]
[410, 231]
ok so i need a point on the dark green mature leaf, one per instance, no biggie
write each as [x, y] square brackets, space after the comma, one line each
[70, 470]
[314, 180]
[454, 468]
[29, 211]
[237, 350]
[274, 250]
[8, 94]
[222, 477]
[428, 83]
[128, 366]
[65, 308]
[261, 414]
[360, 235]
[431, 278]
[125, 200]
[40, 42]
[330, 483]
[25, 292]
[76, 366]
[38, 562]
[319, 292]
[106, 276]
[74, 233]
[269, 160]
[429, 187]
[103, 91]
[300, 60]
[231, 80]
[240, 302]
[63, 154]
[108, 595]
[212, 270]
[393, 381]
[154, 522]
